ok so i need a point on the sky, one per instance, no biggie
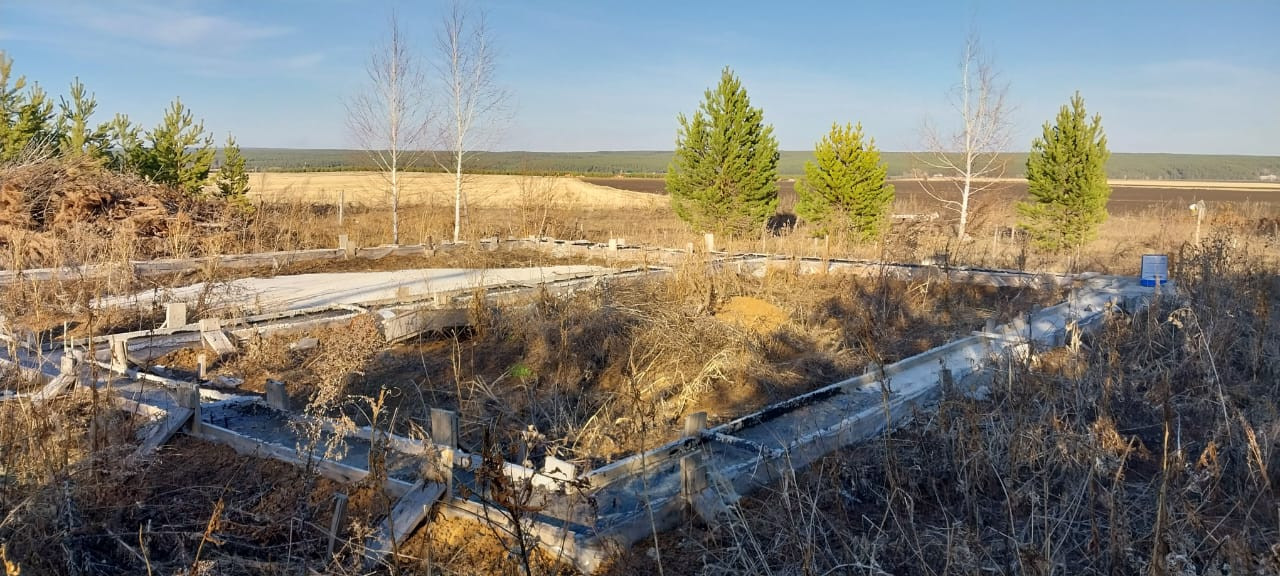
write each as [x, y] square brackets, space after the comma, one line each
[1176, 76]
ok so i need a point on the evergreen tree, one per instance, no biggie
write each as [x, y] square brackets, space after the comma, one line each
[1066, 181]
[724, 175]
[25, 116]
[845, 189]
[125, 145]
[75, 136]
[181, 153]
[233, 180]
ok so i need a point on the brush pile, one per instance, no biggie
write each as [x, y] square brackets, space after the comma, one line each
[74, 211]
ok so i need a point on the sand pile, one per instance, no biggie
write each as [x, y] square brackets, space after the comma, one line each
[752, 314]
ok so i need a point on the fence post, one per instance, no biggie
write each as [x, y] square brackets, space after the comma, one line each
[444, 432]
[339, 517]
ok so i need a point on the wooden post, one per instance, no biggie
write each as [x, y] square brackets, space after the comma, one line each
[710, 240]
[694, 424]
[342, 204]
[693, 476]
[1199, 209]
[175, 314]
[688, 247]
[339, 518]
[444, 432]
[202, 362]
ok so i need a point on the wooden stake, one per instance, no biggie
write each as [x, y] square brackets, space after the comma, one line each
[444, 432]
[339, 518]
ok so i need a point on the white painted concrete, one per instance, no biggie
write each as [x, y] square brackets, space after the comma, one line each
[311, 290]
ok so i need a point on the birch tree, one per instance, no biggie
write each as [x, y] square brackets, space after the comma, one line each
[465, 66]
[389, 118]
[970, 156]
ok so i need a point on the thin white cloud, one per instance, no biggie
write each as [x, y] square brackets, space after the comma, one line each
[170, 27]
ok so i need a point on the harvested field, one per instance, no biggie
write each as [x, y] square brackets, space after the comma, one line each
[1126, 195]
[418, 188]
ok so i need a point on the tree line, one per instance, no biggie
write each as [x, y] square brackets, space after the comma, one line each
[723, 176]
[177, 152]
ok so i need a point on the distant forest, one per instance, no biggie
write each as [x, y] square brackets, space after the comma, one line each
[654, 163]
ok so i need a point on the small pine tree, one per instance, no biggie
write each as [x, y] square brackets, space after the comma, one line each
[845, 189]
[724, 175]
[181, 153]
[26, 117]
[76, 138]
[233, 180]
[1066, 181]
[125, 151]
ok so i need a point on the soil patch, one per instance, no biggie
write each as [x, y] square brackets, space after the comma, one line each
[752, 314]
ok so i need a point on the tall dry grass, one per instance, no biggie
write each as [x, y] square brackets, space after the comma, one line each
[1149, 448]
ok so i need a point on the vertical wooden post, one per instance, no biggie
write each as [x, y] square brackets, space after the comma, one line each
[710, 240]
[444, 432]
[339, 518]
[693, 476]
[202, 362]
[342, 204]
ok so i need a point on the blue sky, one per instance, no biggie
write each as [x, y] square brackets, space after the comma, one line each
[1167, 75]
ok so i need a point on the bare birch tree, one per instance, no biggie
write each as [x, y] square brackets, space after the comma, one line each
[465, 66]
[390, 118]
[971, 156]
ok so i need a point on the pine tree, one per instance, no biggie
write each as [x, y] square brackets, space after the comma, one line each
[845, 189]
[233, 180]
[724, 175]
[25, 117]
[1066, 181]
[76, 138]
[181, 153]
[125, 149]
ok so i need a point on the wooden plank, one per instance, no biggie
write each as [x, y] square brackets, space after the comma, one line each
[409, 512]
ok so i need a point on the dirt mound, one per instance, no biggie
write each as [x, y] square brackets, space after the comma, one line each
[752, 314]
[52, 209]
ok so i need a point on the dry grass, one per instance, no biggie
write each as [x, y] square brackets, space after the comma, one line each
[1150, 449]
[1073, 464]
[614, 368]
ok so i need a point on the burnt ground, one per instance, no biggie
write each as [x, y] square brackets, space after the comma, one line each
[1123, 198]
